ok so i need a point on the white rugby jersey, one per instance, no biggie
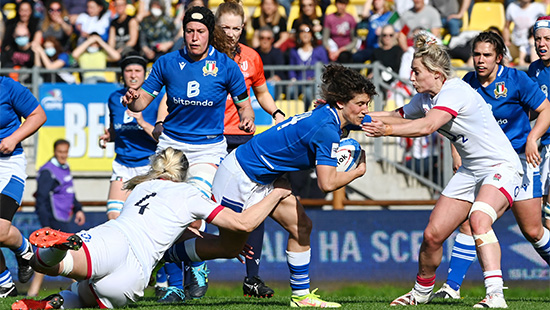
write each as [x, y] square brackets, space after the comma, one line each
[473, 130]
[155, 215]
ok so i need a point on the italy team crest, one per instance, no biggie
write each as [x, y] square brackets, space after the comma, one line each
[500, 90]
[210, 68]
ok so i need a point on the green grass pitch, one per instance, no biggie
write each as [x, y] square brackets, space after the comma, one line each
[525, 296]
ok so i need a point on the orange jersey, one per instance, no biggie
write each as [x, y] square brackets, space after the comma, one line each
[252, 68]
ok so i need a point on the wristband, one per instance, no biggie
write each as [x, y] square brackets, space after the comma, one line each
[159, 122]
[278, 111]
[388, 130]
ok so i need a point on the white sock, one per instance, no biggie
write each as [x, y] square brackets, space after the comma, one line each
[493, 282]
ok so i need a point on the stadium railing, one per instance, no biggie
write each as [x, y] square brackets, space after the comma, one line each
[389, 152]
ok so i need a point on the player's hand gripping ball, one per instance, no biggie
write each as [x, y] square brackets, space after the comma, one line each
[348, 155]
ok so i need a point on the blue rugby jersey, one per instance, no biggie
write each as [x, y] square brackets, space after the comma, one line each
[133, 145]
[16, 101]
[511, 96]
[197, 92]
[539, 73]
[300, 142]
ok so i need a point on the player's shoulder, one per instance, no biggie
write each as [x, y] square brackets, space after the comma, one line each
[248, 52]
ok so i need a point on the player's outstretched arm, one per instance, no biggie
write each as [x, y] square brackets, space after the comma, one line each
[253, 216]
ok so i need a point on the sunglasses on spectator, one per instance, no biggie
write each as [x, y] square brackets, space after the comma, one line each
[305, 30]
[387, 34]
[51, 10]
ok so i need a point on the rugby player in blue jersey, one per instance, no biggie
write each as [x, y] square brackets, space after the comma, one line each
[302, 142]
[197, 78]
[16, 102]
[511, 95]
[539, 71]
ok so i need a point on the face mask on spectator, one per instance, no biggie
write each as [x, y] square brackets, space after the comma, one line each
[50, 51]
[22, 41]
[156, 12]
[92, 49]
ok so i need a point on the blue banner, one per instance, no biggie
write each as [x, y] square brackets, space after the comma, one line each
[356, 246]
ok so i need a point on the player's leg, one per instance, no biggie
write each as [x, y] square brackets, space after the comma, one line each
[290, 214]
[12, 185]
[7, 287]
[446, 216]
[253, 285]
[545, 180]
[462, 257]
[527, 213]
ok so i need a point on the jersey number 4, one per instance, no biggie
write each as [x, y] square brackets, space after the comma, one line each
[142, 206]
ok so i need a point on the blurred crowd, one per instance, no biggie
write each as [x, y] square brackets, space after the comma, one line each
[96, 34]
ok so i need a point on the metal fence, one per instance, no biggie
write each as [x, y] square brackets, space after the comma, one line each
[432, 169]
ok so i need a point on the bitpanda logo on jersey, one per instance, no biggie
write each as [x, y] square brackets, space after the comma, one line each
[210, 68]
[500, 90]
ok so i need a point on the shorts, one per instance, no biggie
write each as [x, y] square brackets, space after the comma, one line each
[115, 274]
[124, 173]
[545, 169]
[465, 184]
[196, 153]
[13, 176]
[233, 189]
[531, 186]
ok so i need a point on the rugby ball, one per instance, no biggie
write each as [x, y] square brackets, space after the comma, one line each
[348, 154]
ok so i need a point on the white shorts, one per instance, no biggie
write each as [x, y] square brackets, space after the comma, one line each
[531, 186]
[13, 176]
[114, 273]
[465, 184]
[196, 153]
[123, 173]
[545, 169]
[232, 188]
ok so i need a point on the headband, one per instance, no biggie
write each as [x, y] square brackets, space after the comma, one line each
[542, 22]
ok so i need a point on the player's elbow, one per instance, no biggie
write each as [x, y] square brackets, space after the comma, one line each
[326, 186]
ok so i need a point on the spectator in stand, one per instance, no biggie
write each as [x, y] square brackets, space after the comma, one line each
[339, 34]
[157, 32]
[56, 204]
[374, 19]
[144, 9]
[308, 14]
[20, 54]
[388, 54]
[270, 55]
[523, 14]
[56, 24]
[75, 8]
[451, 12]
[95, 20]
[50, 55]
[24, 16]
[270, 16]
[94, 53]
[421, 15]
[306, 53]
[124, 30]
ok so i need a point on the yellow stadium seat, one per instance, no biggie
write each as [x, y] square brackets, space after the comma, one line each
[486, 14]
[291, 107]
[9, 10]
[214, 4]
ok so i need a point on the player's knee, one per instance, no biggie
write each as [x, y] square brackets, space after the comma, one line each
[486, 238]
[432, 239]
[479, 212]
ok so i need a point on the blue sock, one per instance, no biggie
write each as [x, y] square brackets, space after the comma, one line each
[256, 240]
[543, 246]
[298, 265]
[174, 274]
[177, 254]
[21, 249]
[161, 275]
[463, 255]
[5, 278]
